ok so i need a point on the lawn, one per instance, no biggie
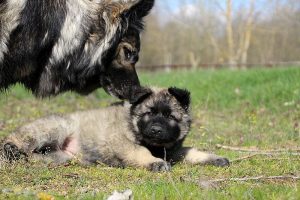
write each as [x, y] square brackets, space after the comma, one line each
[256, 109]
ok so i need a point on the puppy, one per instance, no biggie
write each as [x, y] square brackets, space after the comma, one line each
[148, 132]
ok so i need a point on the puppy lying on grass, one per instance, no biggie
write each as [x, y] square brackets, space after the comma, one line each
[148, 133]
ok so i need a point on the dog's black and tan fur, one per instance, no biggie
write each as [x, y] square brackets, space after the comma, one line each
[51, 46]
[148, 133]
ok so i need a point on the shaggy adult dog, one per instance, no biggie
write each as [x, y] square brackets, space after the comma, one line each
[148, 133]
[59, 45]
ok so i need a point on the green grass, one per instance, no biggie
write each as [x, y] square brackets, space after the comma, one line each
[235, 89]
[249, 108]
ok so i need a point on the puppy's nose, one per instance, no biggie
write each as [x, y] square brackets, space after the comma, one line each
[156, 130]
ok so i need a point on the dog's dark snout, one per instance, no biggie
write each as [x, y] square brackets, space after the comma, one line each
[134, 58]
[156, 130]
[106, 81]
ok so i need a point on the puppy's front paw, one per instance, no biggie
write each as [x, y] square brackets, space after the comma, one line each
[12, 152]
[221, 162]
[160, 166]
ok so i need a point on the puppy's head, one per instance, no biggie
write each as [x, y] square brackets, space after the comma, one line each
[161, 117]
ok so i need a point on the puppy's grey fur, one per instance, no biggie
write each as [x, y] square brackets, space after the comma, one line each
[147, 133]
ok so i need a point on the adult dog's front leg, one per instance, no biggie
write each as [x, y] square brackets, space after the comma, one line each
[194, 156]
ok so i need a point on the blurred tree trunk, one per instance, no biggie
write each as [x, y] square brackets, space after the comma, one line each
[222, 31]
[229, 32]
[194, 60]
[248, 34]
[239, 53]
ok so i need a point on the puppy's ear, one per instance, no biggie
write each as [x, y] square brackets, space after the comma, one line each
[139, 94]
[139, 8]
[182, 96]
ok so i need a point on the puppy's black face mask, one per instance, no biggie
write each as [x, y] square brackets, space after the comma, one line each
[160, 118]
[159, 126]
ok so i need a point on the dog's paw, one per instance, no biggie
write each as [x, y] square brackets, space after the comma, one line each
[161, 166]
[221, 162]
[12, 152]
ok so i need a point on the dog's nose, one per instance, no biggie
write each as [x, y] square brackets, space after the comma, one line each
[156, 130]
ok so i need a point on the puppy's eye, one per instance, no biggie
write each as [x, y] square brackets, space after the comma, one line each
[172, 117]
[148, 113]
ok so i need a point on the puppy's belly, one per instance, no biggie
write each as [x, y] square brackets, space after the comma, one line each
[71, 146]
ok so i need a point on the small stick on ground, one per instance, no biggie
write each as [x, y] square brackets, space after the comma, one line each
[277, 159]
[207, 184]
[71, 175]
[248, 157]
[245, 158]
[258, 178]
[295, 152]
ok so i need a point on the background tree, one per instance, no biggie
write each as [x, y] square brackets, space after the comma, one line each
[224, 32]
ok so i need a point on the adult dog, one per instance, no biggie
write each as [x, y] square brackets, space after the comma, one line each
[78, 45]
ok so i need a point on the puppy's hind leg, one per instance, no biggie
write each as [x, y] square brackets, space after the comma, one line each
[12, 152]
[194, 156]
[21, 145]
[41, 137]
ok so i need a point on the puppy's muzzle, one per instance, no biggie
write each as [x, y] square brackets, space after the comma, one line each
[156, 130]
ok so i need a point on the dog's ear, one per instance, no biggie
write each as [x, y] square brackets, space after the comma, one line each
[139, 8]
[182, 96]
[139, 94]
[129, 10]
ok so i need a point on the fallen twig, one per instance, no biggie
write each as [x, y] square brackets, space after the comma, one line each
[72, 175]
[290, 159]
[258, 178]
[266, 159]
[245, 158]
[295, 152]
[206, 184]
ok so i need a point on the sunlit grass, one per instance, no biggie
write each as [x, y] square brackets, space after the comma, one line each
[250, 108]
